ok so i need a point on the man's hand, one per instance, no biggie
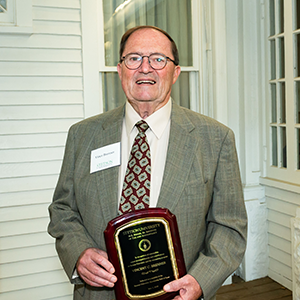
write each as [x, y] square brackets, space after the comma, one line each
[188, 287]
[95, 269]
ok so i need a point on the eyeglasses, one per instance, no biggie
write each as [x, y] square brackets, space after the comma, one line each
[156, 60]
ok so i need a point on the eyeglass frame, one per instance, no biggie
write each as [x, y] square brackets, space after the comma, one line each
[142, 59]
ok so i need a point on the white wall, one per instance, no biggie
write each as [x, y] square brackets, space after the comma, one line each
[41, 95]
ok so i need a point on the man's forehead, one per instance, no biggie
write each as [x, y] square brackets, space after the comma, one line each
[149, 37]
[148, 32]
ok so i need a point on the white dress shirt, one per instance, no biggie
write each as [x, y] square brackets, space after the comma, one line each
[158, 139]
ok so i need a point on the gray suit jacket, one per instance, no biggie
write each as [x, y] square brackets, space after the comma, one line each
[201, 186]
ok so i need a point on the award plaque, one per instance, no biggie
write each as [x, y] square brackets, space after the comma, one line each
[144, 247]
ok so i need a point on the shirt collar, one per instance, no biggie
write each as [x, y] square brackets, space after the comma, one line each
[157, 121]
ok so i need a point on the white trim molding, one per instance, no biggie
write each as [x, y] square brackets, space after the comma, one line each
[279, 184]
[20, 21]
[90, 54]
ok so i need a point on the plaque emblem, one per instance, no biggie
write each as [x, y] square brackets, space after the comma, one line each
[144, 245]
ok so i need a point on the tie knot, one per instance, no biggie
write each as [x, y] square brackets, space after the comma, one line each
[142, 126]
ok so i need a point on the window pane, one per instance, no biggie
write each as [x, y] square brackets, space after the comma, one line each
[273, 104]
[272, 17]
[298, 148]
[297, 106]
[282, 117]
[3, 3]
[297, 73]
[274, 146]
[113, 95]
[281, 16]
[273, 59]
[281, 58]
[297, 13]
[173, 16]
[180, 90]
[283, 161]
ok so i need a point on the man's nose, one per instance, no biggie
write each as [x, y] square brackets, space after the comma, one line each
[145, 66]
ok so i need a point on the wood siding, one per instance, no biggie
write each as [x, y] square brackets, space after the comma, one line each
[281, 208]
[41, 95]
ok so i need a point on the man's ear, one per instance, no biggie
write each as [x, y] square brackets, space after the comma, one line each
[176, 73]
[119, 68]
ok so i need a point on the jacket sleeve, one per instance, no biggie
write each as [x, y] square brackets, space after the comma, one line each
[66, 224]
[226, 223]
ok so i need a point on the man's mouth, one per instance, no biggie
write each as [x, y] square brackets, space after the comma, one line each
[143, 81]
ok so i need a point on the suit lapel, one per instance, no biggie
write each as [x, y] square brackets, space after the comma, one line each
[181, 150]
[107, 180]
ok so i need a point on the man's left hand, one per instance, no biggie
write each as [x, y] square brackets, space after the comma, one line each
[188, 287]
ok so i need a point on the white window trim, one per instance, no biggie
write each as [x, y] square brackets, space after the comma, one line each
[22, 23]
[289, 175]
[92, 92]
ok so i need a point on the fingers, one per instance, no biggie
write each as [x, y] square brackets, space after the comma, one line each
[95, 269]
[102, 260]
[188, 287]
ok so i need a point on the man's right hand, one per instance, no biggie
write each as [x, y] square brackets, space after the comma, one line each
[95, 269]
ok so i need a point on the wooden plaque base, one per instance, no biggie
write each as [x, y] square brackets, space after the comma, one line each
[144, 247]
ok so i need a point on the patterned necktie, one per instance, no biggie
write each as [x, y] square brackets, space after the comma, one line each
[136, 186]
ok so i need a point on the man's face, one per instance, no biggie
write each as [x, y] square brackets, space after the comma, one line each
[146, 84]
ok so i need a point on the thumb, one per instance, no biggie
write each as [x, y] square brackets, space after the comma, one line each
[173, 286]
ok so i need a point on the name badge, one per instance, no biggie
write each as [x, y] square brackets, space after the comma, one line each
[106, 157]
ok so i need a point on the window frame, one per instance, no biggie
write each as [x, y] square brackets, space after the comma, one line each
[290, 173]
[194, 70]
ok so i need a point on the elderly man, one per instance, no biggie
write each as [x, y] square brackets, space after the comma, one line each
[194, 173]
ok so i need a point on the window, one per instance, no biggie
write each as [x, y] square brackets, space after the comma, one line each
[284, 90]
[3, 6]
[7, 12]
[173, 16]
[16, 16]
